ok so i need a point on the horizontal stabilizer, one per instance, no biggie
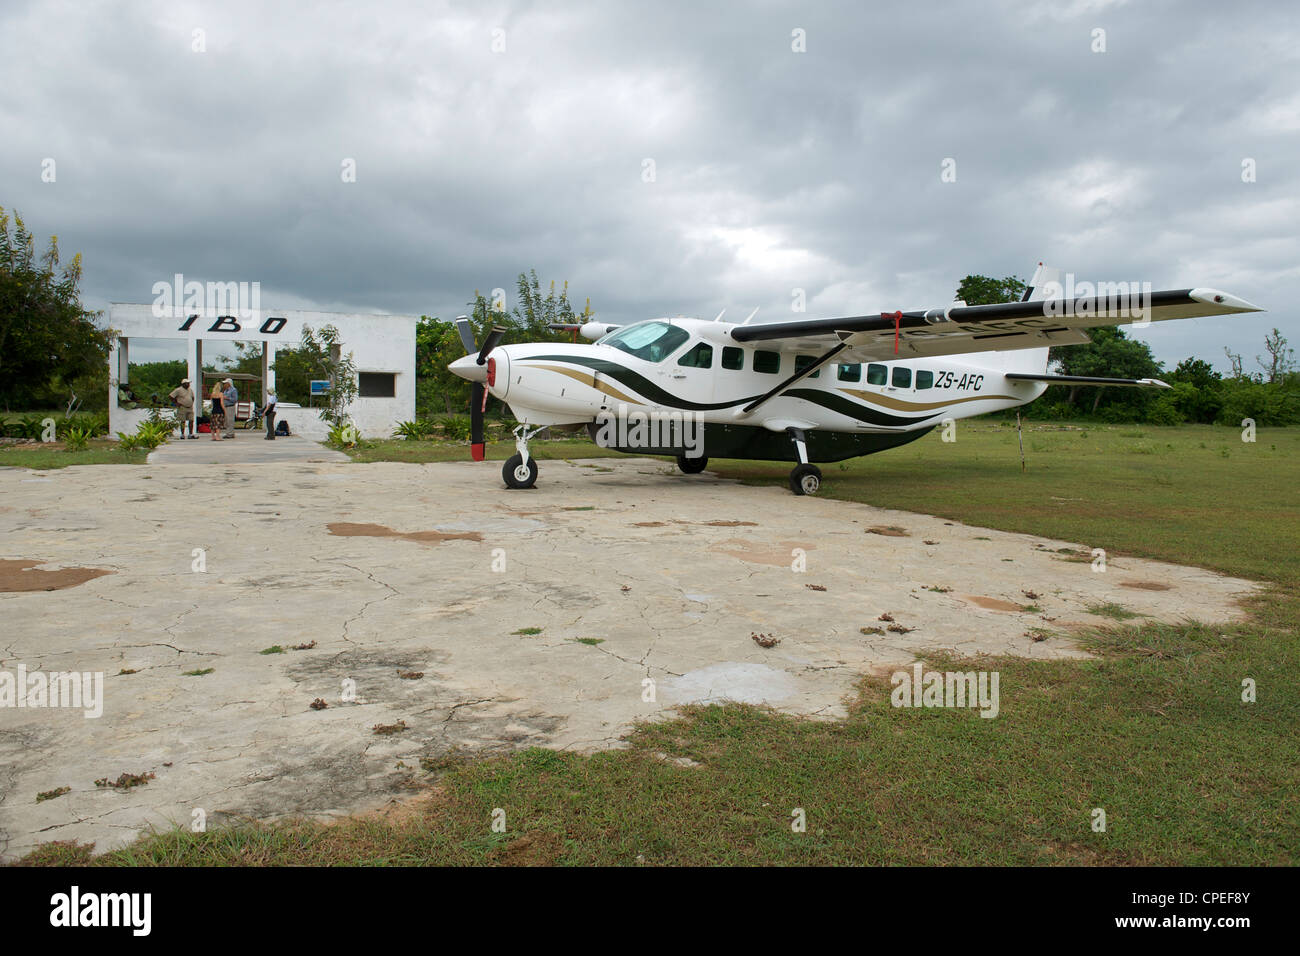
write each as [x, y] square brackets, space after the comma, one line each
[1087, 380]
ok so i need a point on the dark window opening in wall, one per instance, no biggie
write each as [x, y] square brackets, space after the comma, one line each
[377, 384]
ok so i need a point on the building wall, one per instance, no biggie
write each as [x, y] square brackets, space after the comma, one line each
[378, 343]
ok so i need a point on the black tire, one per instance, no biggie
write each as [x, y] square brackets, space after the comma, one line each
[806, 480]
[692, 466]
[518, 475]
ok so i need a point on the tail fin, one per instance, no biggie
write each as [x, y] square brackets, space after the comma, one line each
[1046, 283]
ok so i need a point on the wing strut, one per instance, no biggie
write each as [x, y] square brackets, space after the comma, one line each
[796, 377]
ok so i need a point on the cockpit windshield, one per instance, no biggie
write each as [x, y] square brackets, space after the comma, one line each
[653, 341]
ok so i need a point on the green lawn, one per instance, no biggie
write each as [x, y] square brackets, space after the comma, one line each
[424, 451]
[41, 457]
[1153, 730]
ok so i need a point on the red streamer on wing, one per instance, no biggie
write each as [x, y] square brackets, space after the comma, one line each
[898, 318]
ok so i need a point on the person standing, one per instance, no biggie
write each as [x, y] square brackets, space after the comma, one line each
[183, 398]
[218, 417]
[269, 412]
[230, 399]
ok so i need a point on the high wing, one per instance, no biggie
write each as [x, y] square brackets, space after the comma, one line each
[960, 329]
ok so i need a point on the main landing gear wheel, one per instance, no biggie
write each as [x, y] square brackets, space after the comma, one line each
[692, 466]
[806, 480]
[517, 474]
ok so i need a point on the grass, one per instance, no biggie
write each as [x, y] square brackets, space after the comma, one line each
[1116, 612]
[1202, 498]
[1153, 729]
[427, 451]
[47, 455]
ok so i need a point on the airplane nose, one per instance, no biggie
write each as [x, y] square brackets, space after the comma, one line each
[468, 368]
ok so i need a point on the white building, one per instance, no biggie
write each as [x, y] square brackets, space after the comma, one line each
[382, 347]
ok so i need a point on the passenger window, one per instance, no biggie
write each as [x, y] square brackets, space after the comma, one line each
[801, 362]
[924, 379]
[733, 358]
[769, 362]
[876, 375]
[902, 377]
[699, 357]
[850, 373]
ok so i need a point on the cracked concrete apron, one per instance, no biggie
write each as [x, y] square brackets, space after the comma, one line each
[625, 570]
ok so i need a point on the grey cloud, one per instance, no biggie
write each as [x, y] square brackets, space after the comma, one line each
[775, 170]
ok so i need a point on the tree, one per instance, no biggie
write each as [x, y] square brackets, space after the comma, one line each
[321, 356]
[1238, 366]
[536, 312]
[1281, 358]
[150, 379]
[1197, 390]
[437, 345]
[1110, 354]
[47, 339]
[983, 290]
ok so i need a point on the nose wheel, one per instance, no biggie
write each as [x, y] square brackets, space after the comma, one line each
[692, 466]
[520, 470]
[518, 473]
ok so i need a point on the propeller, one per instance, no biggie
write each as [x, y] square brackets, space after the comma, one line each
[478, 393]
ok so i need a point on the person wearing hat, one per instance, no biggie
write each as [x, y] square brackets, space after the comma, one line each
[183, 398]
[229, 399]
[269, 413]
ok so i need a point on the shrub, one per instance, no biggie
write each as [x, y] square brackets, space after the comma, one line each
[344, 435]
[151, 433]
[414, 431]
[455, 427]
[76, 439]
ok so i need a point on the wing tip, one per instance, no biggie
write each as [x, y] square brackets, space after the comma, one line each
[1224, 300]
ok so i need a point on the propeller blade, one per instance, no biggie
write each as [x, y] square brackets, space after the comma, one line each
[477, 402]
[466, 333]
[492, 341]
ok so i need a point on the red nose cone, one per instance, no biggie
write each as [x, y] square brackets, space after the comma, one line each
[492, 372]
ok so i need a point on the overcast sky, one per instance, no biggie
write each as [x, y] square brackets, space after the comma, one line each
[492, 138]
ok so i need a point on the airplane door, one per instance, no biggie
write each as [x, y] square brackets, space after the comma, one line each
[689, 376]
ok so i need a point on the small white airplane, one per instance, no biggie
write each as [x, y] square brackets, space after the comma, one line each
[809, 390]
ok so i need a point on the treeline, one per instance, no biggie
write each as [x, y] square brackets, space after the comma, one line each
[1198, 394]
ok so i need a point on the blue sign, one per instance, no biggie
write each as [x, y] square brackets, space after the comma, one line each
[320, 386]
